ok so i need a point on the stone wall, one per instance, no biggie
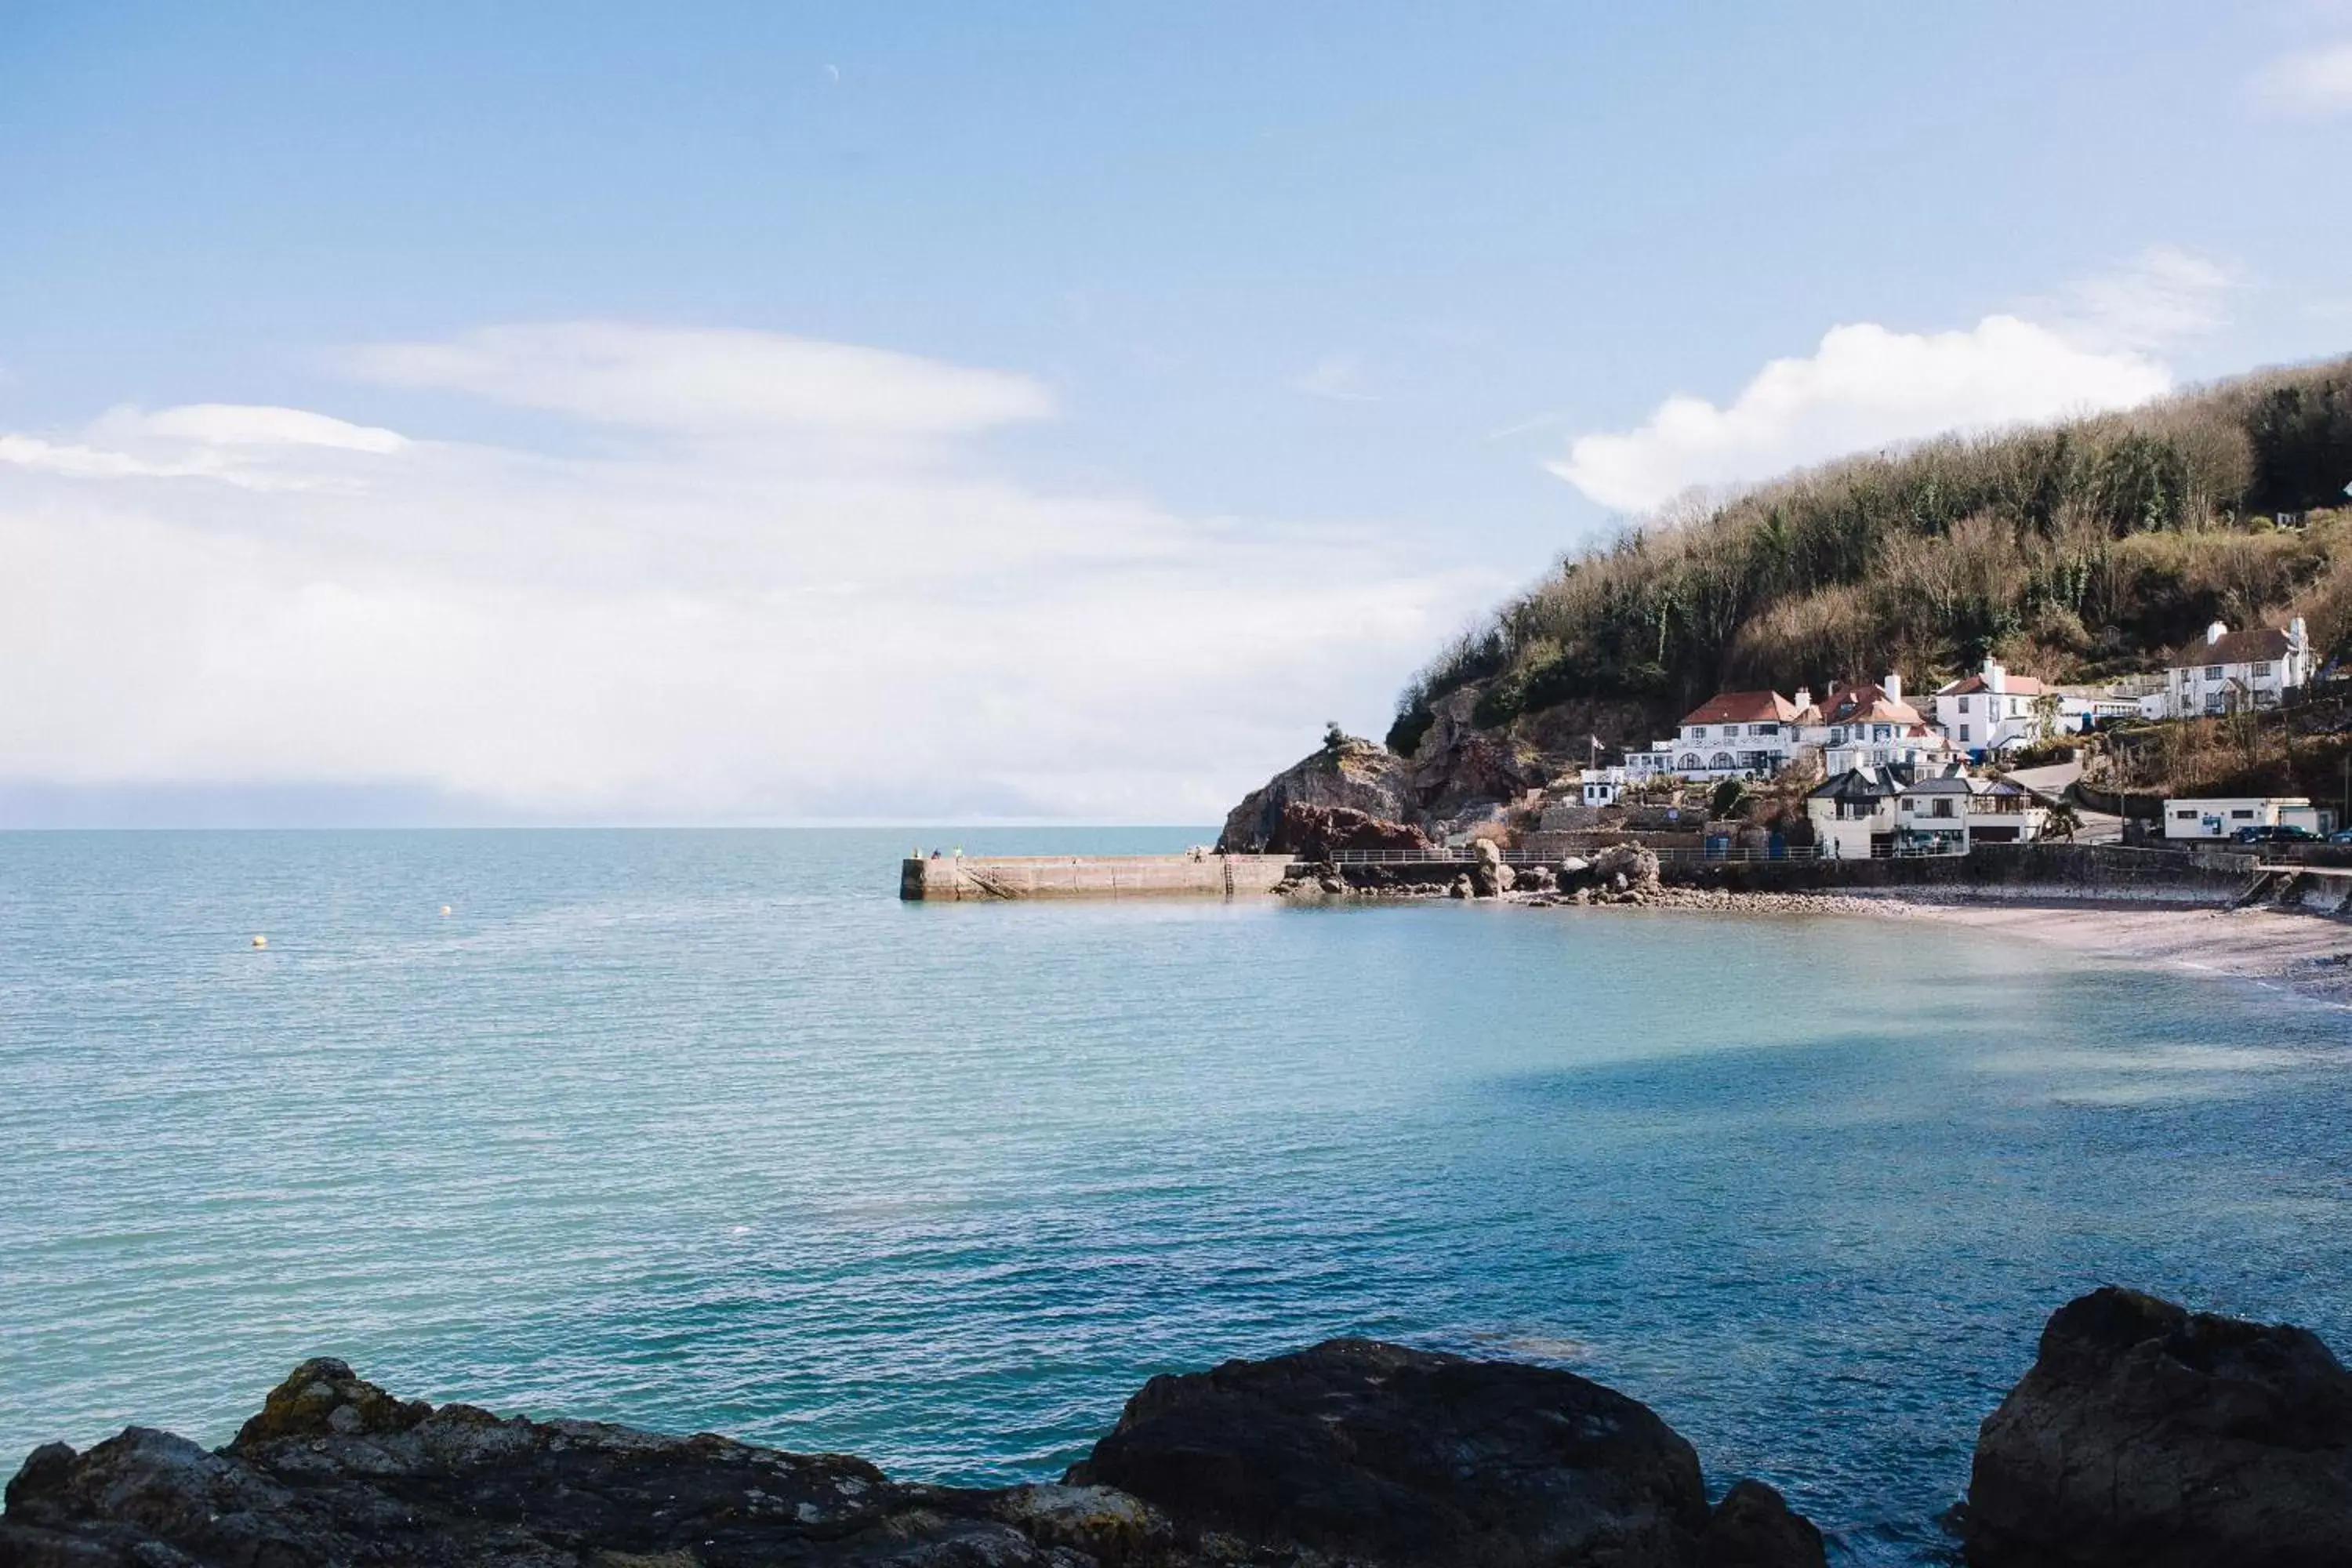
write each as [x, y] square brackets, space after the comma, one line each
[2024, 871]
[966, 878]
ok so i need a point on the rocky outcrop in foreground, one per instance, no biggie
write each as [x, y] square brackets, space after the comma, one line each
[1351, 1453]
[2143, 1436]
[2149, 1437]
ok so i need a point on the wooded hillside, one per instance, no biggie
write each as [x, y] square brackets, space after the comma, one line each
[2073, 551]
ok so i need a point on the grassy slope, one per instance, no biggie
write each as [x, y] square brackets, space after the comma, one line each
[2073, 551]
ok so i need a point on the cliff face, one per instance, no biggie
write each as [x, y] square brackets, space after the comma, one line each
[1352, 1453]
[1455, 767]
[1355, 776]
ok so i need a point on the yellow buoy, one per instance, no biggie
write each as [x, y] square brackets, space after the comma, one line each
[261, 941]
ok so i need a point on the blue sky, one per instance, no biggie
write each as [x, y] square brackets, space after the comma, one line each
[1213, 363]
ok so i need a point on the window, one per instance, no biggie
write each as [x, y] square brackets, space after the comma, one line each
[2263, 667]
[2213, 672]
[1882, 732]
[1694, 732]
[1724, 760]
[1964, 730]
[1764, 729]
[1943, 806]
[1910, 805]
[2243, 813]
[1691, 764]
[2213, 702]
[2184, 817]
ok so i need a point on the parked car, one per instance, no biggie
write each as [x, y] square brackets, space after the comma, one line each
[2341, 836]
[2284, 833]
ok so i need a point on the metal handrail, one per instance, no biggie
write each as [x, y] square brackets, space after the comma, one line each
[1444, 856]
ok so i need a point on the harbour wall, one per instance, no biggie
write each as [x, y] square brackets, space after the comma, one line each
[970, 879]
[2022, 872]
[2094, 872]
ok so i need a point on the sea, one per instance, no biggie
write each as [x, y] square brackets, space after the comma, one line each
[708, 1132]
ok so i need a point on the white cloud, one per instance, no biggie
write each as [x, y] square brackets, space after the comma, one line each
[248, 447]
[245, 424]
[710, 383]
[2315, 83]
[1864, 387]
[713, 631]
[2162, 296]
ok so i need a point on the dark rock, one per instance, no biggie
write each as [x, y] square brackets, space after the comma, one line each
[2149, 1435]
[1752, 1527]
[1355, 774]
[1368, 1453]
[1350, 1454]
[1313, 832]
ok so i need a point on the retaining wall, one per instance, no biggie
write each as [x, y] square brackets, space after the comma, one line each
[960, 878]
[2019, 871]
[2023, 871]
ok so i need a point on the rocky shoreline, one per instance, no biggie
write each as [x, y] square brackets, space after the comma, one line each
[2144, 1435]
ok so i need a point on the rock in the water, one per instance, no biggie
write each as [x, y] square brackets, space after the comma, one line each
[1354, 1455]
[1366, 1453]
[2151, 1436]
[1355, 774]
[1753, 1527]
[335, 1471]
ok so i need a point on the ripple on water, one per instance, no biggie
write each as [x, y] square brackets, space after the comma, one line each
[706, 1130]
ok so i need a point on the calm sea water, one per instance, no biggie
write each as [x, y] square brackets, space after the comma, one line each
[706, 1130]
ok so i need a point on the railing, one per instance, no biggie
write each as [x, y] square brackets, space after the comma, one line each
[1465, 857]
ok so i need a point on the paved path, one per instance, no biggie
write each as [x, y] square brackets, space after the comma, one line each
[2098, 827]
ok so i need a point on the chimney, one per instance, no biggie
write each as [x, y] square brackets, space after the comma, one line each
[1996, 676]
[2215, 633]
[2295, 634]
[1804, 697]
[1894, 684]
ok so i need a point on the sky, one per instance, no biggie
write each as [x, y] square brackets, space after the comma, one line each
[801, 413]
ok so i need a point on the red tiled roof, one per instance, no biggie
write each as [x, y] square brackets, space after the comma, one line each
[1743, 708]
[2016, 686]
[2247, 646]
[1867, 704]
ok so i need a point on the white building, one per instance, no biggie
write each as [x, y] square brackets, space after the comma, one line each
[1734, 734]
[2228, 672]
[1601, 786]
[1994, 710]
[2220, 818]
[1868, 725]
[1957, 810]
[1854, 814]
[1892, 810]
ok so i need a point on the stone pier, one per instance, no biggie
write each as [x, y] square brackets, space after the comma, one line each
[961, 878]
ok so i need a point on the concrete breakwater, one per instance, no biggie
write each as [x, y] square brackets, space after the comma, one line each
[960, 877]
